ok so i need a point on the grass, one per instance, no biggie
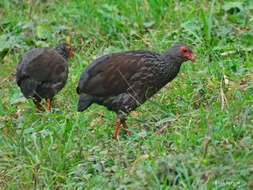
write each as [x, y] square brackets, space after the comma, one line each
[195, 134]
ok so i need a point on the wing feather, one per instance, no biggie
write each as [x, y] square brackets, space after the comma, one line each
[110, 74]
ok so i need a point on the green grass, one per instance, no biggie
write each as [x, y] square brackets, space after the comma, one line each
[195, 134]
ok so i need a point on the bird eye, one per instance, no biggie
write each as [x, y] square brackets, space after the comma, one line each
[185, 50]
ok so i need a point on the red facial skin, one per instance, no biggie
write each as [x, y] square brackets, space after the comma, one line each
[187, 53]
[70, 51]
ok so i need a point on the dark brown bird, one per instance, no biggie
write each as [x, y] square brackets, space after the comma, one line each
[42, 72]
[123, 81]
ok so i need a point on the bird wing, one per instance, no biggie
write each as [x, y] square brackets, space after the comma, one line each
[110, 74]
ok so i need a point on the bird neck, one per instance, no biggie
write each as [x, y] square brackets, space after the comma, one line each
[62, 52]
[169, 68]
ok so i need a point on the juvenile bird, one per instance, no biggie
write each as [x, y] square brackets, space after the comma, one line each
[42, 72]
[123, 81]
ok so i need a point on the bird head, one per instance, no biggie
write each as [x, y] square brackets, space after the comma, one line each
[180, 52]
[65, 50]
[70, 50]
[187, 53]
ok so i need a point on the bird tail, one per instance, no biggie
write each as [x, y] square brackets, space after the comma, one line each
[28, 87]
[84, 102]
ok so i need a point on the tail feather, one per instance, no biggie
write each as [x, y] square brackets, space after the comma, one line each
[28, 87]
[84, 102]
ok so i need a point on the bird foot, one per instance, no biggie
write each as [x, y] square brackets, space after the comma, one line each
[126, 128]
[118, 123]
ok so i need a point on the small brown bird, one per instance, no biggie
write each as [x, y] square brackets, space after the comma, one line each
[123, 81]
[42, 72]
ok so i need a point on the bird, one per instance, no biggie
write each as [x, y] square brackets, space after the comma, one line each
[42, 72]
[125, 80]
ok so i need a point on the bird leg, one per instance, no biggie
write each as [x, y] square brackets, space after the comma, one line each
[126, 127]
[48, 103]
[118, 123]
[38, 107]
[36, 101]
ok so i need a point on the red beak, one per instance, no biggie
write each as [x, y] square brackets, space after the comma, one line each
[71, 54]
[191, 57]
[70, 51]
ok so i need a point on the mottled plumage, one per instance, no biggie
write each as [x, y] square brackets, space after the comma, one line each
[123, 81]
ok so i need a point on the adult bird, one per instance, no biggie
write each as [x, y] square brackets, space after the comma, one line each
[123, 81]
[42, 72]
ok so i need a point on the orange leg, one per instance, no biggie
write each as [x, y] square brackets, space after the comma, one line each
[48, 104]
[126, 127]
[118, 123]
